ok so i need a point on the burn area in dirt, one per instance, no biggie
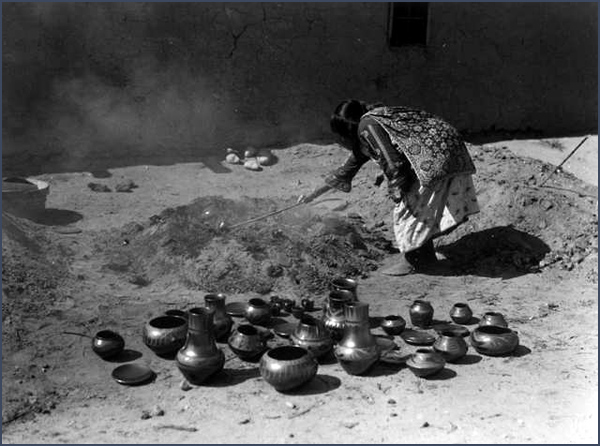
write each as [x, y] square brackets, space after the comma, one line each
[297, 251]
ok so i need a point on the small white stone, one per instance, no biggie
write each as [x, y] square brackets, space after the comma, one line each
[232, 158]
[252, 164]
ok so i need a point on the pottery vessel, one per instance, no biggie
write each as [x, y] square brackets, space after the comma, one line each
[421, 313]
[247, 343]
[450, 345]
[393, 325]
[425, 362]
[108, 344]
[164, 335]
[461, 313]
[222, 322]
[357, 351]
[333, 312]
[311, 334]
[346, 284]
[258, 312]
[492, 340]
[493, 318]
[286, 368]
[177, 313]
[200, 358]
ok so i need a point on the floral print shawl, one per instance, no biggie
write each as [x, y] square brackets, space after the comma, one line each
[433, 147]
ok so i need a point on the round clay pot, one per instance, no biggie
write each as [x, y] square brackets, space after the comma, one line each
[450, 345]
[247, 343]
[286, 368]
[425, 362]
[258, 312]
[312, 335]
[460, 313]
[421, 313]
[492, 340]
[493, 318]
[346, 284]
[107, 344]
[393, 325]
[164, 335]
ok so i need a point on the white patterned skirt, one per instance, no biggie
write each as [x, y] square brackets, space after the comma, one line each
[425, 212]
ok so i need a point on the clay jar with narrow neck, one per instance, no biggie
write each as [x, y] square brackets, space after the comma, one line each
[311, 334]
[451, 346]
[357, 351]
[222, 322]
[421, 313]
[333, 314]
[200, 358]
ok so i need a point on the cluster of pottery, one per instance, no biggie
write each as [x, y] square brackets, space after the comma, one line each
[190, 337]
[491, 337]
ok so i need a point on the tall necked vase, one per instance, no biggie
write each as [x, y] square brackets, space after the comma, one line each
[200, 358]
[333, 314]
[357, 351]
[222, 322]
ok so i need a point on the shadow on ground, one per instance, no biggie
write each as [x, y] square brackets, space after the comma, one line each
[500, 252]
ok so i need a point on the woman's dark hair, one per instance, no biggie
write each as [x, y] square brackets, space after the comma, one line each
[346, 116]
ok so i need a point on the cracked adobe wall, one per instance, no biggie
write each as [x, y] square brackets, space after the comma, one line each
[130, 83]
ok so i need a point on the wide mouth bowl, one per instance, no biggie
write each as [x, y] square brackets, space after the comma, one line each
[460, 305]
[393, 318]
[494, 330]
[247, 330]
[493, 314]
[108, 335]
[287, 353]
[214, 297]
[165, 322]
[344, 283]
[258, 302]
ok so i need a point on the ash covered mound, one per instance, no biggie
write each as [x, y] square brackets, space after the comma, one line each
[298, 251]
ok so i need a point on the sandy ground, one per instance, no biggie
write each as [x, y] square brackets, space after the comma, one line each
[55, 390]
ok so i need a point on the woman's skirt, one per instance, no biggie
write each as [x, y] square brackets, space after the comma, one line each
[424, 213]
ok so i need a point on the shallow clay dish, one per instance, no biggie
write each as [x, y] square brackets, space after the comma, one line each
[416, 337]
[133, 374]
[236, 309]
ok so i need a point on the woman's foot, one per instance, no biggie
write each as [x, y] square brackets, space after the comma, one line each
[400, 267]
[411, 261]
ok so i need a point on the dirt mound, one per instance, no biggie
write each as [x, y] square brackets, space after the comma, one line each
[297, 252]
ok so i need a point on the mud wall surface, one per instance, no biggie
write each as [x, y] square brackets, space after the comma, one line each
[169, 82]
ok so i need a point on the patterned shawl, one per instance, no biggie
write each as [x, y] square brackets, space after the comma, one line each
[434, 148]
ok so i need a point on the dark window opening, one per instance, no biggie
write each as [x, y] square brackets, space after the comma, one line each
[408, 23]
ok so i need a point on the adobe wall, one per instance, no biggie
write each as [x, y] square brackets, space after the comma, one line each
[173, 81]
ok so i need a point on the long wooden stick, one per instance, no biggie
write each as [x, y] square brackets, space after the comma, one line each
[564, 161]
